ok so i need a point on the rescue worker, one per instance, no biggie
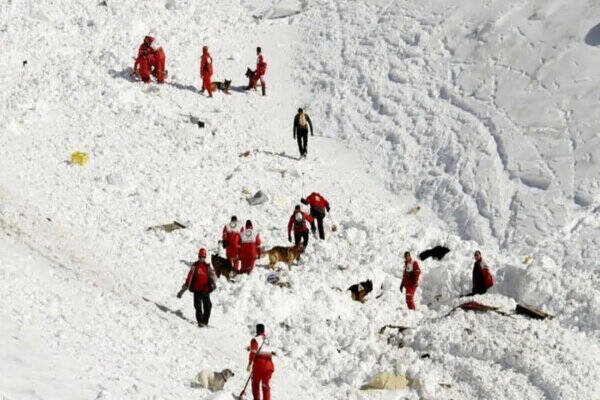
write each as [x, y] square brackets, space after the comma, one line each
[249, 247]
[301, 123]
[261, 364]
[231, 243]
[259, 73]
[410, 279]
[482, 277]
[143, 63]
[318, 204]
[158, 58]
[200, 281]
[206, 70]
[298, 223]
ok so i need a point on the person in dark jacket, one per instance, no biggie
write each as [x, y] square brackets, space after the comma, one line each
[301, 124]
[482, 277]
[318, 204]
[200, 281]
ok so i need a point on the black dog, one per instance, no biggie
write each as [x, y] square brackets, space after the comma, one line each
[222, 266]
[250, 75]
[438, 252]
[360, 290]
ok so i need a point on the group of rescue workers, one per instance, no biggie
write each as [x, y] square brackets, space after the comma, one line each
[150, 61]
[243, 244]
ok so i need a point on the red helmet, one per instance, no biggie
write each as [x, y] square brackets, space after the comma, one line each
[202, 253]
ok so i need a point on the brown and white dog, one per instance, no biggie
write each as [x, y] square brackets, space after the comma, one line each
[222, 86]
[360, 290]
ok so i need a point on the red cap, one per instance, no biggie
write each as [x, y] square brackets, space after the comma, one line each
[202, 253]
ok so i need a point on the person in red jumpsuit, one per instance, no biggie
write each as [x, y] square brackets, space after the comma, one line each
[206, 70]
[259, 73]
[410, 279]
[297, 222]
[231, 242]
[318, 204]
[261, 364]
[482, 277]
[200, 281]
[249, 247]
[143, 63]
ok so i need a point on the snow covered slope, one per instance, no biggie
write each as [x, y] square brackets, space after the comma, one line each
[482, 115]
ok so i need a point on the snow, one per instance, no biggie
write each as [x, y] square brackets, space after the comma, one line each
[481, 114]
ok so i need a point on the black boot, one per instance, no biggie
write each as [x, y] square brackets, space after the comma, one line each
[264, 90]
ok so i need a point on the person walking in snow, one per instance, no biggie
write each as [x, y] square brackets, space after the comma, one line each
[259, 72]
[482, 277]
[200, 281]
[318, 204]
[143, 64]
[249, 247]
[231, 243]
[261, 364]
[297, 222]
[410, 279]
[301, 123]
[206, 70]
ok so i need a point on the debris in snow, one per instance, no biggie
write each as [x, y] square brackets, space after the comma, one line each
[258, 198]
[281, 281]
[245, 154]
[196, 121]
[103, 3]
[388, 381]
[24, 62]
[414, 210]
[168, 227]
[398, 327]
[532, 312]
[79, 157]
[476, 306]
[438, 252]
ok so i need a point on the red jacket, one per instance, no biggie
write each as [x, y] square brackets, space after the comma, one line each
[231, 237]
[300, 227]
[316, 200]
[249, 244]
[261, 66]
[206, 68]
[482, 277]
[410, 278]
[144, 52]
[198, 277]
[265, 353]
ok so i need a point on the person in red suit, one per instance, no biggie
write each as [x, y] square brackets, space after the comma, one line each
[200, 281]
[249, 247]
[297, 222]
[259, 73]
[143, 63]
[231, 242]
[261, 363]
[482, 277]
[206, 70]
[410, 279]
[318, 205]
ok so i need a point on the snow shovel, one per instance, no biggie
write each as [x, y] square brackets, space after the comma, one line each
[241, 395]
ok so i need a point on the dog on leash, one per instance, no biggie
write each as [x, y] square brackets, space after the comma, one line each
[358, 291]
[286, 254]
[222, 86]
[222, 266]
[213, 381]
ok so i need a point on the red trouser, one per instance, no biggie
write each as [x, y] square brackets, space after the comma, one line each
[159, 65]
[261, 376]
[410, 297]
[248, 264]
[144, 69]
[206, 84]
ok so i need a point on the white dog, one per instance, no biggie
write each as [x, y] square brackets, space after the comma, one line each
[213, 381]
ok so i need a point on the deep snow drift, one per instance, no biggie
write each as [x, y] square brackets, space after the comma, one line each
[482, 115]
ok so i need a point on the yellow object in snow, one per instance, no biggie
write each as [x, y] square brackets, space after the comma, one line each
[79, 158]
[527, 260]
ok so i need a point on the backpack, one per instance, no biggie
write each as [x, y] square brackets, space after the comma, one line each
[302, 120]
